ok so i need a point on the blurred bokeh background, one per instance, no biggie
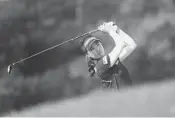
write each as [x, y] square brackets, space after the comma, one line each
[29, 26]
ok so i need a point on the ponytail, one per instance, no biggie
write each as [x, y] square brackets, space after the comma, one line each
[91, 65]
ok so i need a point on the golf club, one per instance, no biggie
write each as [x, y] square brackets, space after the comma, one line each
[10, 67]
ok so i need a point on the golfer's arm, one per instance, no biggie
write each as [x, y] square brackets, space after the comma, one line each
[130, 45]
[125, 53]
[119, 45]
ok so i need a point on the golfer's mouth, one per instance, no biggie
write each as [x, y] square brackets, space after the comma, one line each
[99, 53]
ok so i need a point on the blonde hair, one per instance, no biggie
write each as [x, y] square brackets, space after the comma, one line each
[91, 65]
[90, 62]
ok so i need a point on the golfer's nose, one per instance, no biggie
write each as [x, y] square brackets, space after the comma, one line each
[97, 49]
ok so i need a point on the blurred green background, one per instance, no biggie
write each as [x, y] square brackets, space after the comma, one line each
[29, 26]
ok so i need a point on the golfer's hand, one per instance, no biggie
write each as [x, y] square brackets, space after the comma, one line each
[108, 27]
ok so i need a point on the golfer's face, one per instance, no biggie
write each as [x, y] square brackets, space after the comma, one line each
[96, 50]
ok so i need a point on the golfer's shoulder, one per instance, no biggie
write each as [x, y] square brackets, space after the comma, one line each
[103, 64]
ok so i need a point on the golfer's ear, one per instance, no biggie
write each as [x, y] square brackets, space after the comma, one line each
[88, 59]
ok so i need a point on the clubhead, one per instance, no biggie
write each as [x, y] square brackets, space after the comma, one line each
[9, 69]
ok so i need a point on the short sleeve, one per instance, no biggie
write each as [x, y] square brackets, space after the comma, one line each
[103, 65]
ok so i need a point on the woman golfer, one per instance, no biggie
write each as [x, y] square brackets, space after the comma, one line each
[109, 67]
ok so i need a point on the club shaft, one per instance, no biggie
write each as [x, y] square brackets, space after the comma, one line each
[54, 46]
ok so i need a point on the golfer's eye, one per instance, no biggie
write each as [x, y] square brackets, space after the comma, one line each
[97, 43]
[91, 49]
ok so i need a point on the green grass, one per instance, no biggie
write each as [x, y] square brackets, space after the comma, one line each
[146, 100]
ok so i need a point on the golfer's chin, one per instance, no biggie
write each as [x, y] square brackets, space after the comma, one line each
[99, 56]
